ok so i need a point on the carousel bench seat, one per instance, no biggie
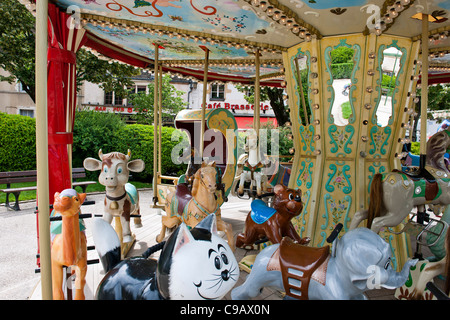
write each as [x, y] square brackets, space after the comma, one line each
[11, 177]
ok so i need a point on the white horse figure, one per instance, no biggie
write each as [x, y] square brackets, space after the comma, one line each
[251, 167]
[393, 195]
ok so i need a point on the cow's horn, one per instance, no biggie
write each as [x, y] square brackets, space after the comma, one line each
[100, 154]
[129, 154]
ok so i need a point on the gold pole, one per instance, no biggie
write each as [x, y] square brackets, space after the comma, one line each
[155, 127]
[42, 149]
[424, 87]
[160, 119]
[205, 89]
[256, 106]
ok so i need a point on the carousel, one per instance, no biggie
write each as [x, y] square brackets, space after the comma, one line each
[348, 208]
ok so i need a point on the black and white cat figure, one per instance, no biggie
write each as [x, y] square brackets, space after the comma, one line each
[194, 264]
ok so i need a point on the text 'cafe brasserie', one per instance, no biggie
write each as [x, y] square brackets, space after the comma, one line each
[215, 105]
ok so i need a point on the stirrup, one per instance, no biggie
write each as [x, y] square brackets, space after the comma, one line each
[418, 230]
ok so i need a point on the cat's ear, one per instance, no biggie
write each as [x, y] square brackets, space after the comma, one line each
[184, 237]
[209, 223]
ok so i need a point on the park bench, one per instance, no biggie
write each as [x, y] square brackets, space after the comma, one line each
[31, 176]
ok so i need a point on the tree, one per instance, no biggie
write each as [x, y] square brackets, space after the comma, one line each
[110, 76]
[171, 101]
[17, 45]
[274, 95]
[17, 55]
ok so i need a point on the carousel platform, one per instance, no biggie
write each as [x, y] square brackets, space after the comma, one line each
[234, 211]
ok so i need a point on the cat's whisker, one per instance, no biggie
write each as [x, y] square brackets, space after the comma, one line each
[219, 281]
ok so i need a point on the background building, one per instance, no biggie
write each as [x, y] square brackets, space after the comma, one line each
[14, 100]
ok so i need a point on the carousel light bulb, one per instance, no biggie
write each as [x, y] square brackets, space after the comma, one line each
[255, 2]
[270, 11]
[405, 2]
[388, 18]
[398, 6]
[283, 19]
[393, 13]
[263, 5]
[295, 29]
[277, 15]
[291, 150]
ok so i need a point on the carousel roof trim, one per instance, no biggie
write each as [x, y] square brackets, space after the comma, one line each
[177, 32]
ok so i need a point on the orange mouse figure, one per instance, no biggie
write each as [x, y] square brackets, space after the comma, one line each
[273, 223]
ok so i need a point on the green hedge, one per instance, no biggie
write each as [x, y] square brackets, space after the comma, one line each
[342, 70]
[17, 142]
[94, 130]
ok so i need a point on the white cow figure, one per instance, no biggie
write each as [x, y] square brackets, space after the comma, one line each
[122, 199]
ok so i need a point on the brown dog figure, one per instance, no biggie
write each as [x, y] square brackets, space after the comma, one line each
[273, 223]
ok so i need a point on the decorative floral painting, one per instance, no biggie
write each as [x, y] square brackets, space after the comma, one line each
[225, 16]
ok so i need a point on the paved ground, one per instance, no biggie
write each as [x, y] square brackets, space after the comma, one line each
[18, 241]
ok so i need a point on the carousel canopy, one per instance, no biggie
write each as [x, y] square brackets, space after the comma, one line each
[234, 30]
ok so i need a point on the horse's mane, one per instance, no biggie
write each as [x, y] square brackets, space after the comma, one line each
[195, 183]
[436, 148]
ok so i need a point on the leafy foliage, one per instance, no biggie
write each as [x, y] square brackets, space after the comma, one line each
[342, 55]
[93, 131]
[18, 142]
[274, 95]
[171, 100]
[111, 76]
[106, 131]
[17, 45]
[17, 55]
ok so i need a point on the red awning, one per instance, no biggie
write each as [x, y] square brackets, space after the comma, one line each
[434, 78]
[247, 122]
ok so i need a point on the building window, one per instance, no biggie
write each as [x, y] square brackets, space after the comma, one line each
[218, 92]
[112, 99]
[140, 89]
[27, 112]
[134, 90]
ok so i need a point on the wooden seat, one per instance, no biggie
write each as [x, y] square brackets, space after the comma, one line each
[298, 263]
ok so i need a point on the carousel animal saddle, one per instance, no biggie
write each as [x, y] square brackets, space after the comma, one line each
[260, 211]
[425, 184]
[182, 195]
[298, 265]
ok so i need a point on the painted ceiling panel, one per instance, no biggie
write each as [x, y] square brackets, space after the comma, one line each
[234, 29]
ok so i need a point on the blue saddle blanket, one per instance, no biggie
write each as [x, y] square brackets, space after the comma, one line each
[132, 193]
[260, 211]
